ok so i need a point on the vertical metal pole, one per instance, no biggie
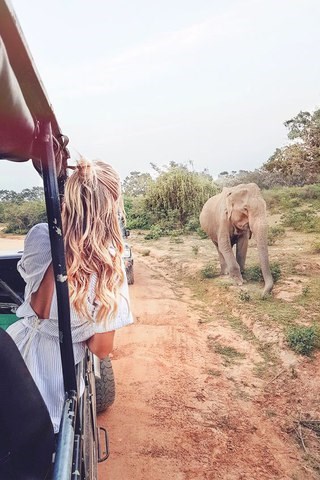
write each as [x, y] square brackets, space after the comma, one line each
[58, 258]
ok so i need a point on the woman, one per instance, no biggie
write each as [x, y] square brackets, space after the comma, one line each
[98, 288]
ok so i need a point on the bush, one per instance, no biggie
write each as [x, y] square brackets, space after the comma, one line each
[193, 224]
[195, 250]
[202, 234]
[176, 239]
[302, 220]
[180, 191]
[315, 247]
[275, 233]
[209, 271]
[155, 233]
[244, 296]
[19, 218]
[302, 340]
[254, 273]
[137, 215]
[310, 192]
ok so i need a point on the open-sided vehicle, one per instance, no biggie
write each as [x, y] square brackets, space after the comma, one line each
[29, 131]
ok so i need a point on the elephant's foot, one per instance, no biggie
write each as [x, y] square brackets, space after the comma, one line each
[267, 289]
[236, 276]
[224, 272]
[237, 280]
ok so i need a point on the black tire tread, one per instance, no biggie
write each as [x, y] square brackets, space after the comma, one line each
[105, 386]
[130, 275]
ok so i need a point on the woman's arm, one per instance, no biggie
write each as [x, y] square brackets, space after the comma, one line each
[101, 344]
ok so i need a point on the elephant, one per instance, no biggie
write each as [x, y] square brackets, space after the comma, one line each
[230, 218]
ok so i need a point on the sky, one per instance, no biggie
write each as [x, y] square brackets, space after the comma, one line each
[206, 81]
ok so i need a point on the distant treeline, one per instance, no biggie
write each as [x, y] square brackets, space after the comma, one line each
[172, 198]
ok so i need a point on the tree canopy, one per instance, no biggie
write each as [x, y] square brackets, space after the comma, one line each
[299, 162]
[180, 192]
[136, 183]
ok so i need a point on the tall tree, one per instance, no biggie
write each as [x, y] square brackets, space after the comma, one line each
[300, 160]
[179, 191]
[136, 183]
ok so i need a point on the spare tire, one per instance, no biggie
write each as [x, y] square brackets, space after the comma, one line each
[105, 386]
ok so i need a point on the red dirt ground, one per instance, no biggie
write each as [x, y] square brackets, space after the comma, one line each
[182, 412]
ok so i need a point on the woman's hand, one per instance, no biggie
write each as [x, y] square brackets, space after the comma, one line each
[101, 344]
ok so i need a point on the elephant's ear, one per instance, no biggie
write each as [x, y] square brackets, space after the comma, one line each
[237, 200]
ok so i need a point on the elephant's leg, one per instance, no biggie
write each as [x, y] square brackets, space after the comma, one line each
[223, 264]
[241, 250]
[225, 249]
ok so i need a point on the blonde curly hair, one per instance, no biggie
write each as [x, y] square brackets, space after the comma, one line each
[90, 224]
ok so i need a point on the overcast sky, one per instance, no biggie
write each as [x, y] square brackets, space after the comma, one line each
[134, 82]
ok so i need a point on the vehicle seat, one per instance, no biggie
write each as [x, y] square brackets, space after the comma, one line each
[26, 433]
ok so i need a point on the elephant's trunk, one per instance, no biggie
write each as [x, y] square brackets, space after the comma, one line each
[260, 233]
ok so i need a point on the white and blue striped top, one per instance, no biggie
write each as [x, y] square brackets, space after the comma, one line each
[38, 340]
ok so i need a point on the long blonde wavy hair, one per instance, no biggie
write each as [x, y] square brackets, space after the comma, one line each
[90, 223]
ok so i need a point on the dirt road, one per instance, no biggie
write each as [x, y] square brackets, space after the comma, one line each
[184, 411]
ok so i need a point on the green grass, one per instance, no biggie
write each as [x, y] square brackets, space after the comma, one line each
[277, 311]
[230, 355]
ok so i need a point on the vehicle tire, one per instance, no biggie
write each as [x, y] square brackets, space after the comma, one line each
[105, 386]
[130, 275]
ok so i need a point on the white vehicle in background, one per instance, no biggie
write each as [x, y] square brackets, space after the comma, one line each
[127, 254]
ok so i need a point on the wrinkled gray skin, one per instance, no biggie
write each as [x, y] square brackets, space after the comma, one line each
[229, 219]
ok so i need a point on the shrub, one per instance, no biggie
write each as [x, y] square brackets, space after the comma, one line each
[302, 339]
[137, 215]
[193, 224]
[310, 192]
[201, 233]
[302, 220]
[195, 249]
[155, 233]
[275, 271]
[315, 247]
[209, 271]
[275, 233]
[244, 296]
[254, 273]
[180, 191]
[176, 239]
